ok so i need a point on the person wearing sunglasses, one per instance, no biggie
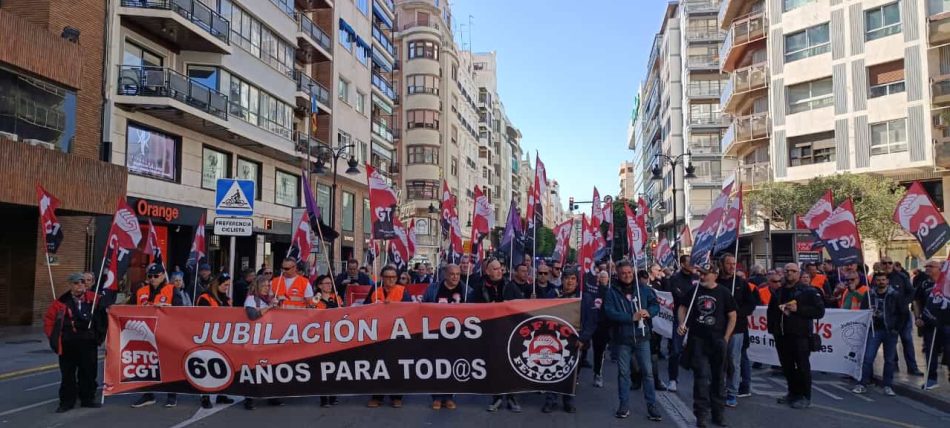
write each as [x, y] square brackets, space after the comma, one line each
[76, 341]
[543, 288]
[292, 290]
[156, 292]
[850, 292]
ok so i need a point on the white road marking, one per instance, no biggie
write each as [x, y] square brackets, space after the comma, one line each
[846, 390]
[20, 409]
[823, 391]
[42, 386]
[204, 413]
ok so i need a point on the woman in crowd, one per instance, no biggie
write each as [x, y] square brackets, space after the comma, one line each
[260, 301]
[404, 279]
[326, 298]
[216, 297]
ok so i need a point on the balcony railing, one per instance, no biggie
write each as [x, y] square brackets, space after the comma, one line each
[708, 120]
[312, 88]
[940, 90]
[389, 4]
[702, 6]
[384, 86]
[382, 130]
[704, 35]
[746, 79]
[302, 141]
[383, 40]
[744, 30]
[728, 137]
[937, 7]
[755, 174]
[142, 81]
[703, 91]
[414, 24]
[308, 27]
[752, 127]
[702, 61]
[192, 10]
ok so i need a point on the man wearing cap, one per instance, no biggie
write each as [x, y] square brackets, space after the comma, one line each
[178, 281]
[76, 340]
[157, 292]
[901, 282]
[708, 314]
[738, 366]
[292, 290]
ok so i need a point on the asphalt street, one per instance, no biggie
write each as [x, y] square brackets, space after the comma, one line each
[29, 401]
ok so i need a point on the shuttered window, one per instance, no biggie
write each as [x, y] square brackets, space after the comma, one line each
[885, 79]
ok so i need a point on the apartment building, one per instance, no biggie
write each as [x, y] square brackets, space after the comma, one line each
[679, 115]
[50, 134]
[438, 117]
[629, 181]
[858, 86]
[202, 90]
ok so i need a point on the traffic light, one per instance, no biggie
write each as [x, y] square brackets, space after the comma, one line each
[268, 224]
[570, 204]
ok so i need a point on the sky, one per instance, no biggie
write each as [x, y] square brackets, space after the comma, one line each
[568, 73]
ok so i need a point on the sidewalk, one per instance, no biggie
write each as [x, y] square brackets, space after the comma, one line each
[24, 350]
[909, 386]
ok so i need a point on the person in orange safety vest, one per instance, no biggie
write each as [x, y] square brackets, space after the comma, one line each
[291, 289]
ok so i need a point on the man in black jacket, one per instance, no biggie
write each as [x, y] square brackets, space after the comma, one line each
[737, 362]
[492, 289]
[681, 283]
[887, 315]
[352, 276]
[791, 317]
[901, 282]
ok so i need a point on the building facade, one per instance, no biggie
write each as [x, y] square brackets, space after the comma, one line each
[630, 181]
[51, 60]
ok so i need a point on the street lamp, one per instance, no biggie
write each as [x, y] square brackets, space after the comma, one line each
[689, 172]
[333, 154]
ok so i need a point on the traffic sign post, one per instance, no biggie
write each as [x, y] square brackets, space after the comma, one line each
[234, 198]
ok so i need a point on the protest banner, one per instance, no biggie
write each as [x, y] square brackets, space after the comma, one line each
[663, 322]
[392, 348]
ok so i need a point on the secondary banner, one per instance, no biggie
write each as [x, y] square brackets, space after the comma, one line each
[392, 348]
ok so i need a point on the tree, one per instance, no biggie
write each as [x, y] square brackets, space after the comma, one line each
[875, 198]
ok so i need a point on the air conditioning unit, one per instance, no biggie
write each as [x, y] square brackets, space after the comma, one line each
[40, 143]
[9, 136]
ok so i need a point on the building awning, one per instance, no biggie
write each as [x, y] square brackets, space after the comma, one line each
[346, 28]
[367, 49]
[381, 62]
[381, 17]
[383, 105]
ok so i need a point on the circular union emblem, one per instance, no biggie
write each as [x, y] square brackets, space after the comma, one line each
[543, 349]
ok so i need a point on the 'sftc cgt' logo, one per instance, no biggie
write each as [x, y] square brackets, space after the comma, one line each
[139, 350]
[543, 349]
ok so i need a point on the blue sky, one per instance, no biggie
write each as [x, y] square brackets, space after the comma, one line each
[568, 73]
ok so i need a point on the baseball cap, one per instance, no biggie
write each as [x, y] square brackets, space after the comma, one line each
[155, 269]
[75, 277]
[708, 268]
[204, 266]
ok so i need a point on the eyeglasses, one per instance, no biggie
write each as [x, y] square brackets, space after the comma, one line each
[286, 268]
[790, 271]
[542, 273]
[155, 276]
[389, 276]
[887, 263]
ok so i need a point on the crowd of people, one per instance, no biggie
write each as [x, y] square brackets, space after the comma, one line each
[712, 304]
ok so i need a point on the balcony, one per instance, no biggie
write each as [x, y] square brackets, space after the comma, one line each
[382, 130]
[309, 5]
[157, 87]
[309, 90]
[744, 131]
[744, 81]
[388, 5]
[385, 88]
[302, 141]
[708, 120]
[756, 174]
[728, 9]
[941, 150]
[744, 32]
[938, 21]
[697, 90]
[186, 24]
[704, 35]
[315, 44]
[940, 90]
[701, 6]
[385, 42]
[702, 62]
[429, 25]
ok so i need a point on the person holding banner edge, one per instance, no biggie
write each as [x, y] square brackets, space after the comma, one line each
[492, 289]
[447, 291]
[790, 319]
[681, 283]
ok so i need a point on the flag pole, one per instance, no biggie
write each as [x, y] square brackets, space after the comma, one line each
[534, 256]
[636, 278]
[326, 254]
[738, 227]
[48, 268]
[102, 266]
[930, 355]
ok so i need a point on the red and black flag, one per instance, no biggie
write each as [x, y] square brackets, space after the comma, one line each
[707, 231]
[197, 253]
[151, 245]
[52, 230]
[918, 216]
[399, 246]
[300, 245]
[382, 202]
[839, 232]
[562, 239]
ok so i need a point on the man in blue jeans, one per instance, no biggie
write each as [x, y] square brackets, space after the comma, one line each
[738, 368]
[887, 313]
[680, 282]
[900, 282]
[630, 307]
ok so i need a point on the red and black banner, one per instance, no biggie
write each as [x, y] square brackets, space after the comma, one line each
[918, 216]
[392, 348]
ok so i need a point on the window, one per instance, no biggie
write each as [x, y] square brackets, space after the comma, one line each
[136, 55]
[422, 84]
[363, 51]
[360, 102]
[808, 42]
[151, 153]
[367, 218]
[423, 49]
[934, 189]
[287, 192]
[809, 95]
[37, 109]
[811, 149]
[346, 36]
[381, 158]
[788, 5]
[343, 90]
[422, 189]
[347, 211]
[704, 114]
[214, 165]
[885, 79]
[250, 170]
[207, 76]
[702, 143]
[454, 167]
[710, 170]
[422, 119]
[363, 6]
[257, 39]
[323, 199]
[882, 21]
[260, 108]
[423, 155]
[889, 137]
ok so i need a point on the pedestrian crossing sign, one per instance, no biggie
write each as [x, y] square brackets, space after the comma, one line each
[234, 197]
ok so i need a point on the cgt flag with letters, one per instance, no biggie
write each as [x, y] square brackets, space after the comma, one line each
[917, 215]
[729, 231]
[839, 232]
[398, 348]
[52, 230]
[562, 236]
[383, 204]
[707, 231]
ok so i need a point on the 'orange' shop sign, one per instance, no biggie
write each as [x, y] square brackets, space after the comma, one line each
[165, 212]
